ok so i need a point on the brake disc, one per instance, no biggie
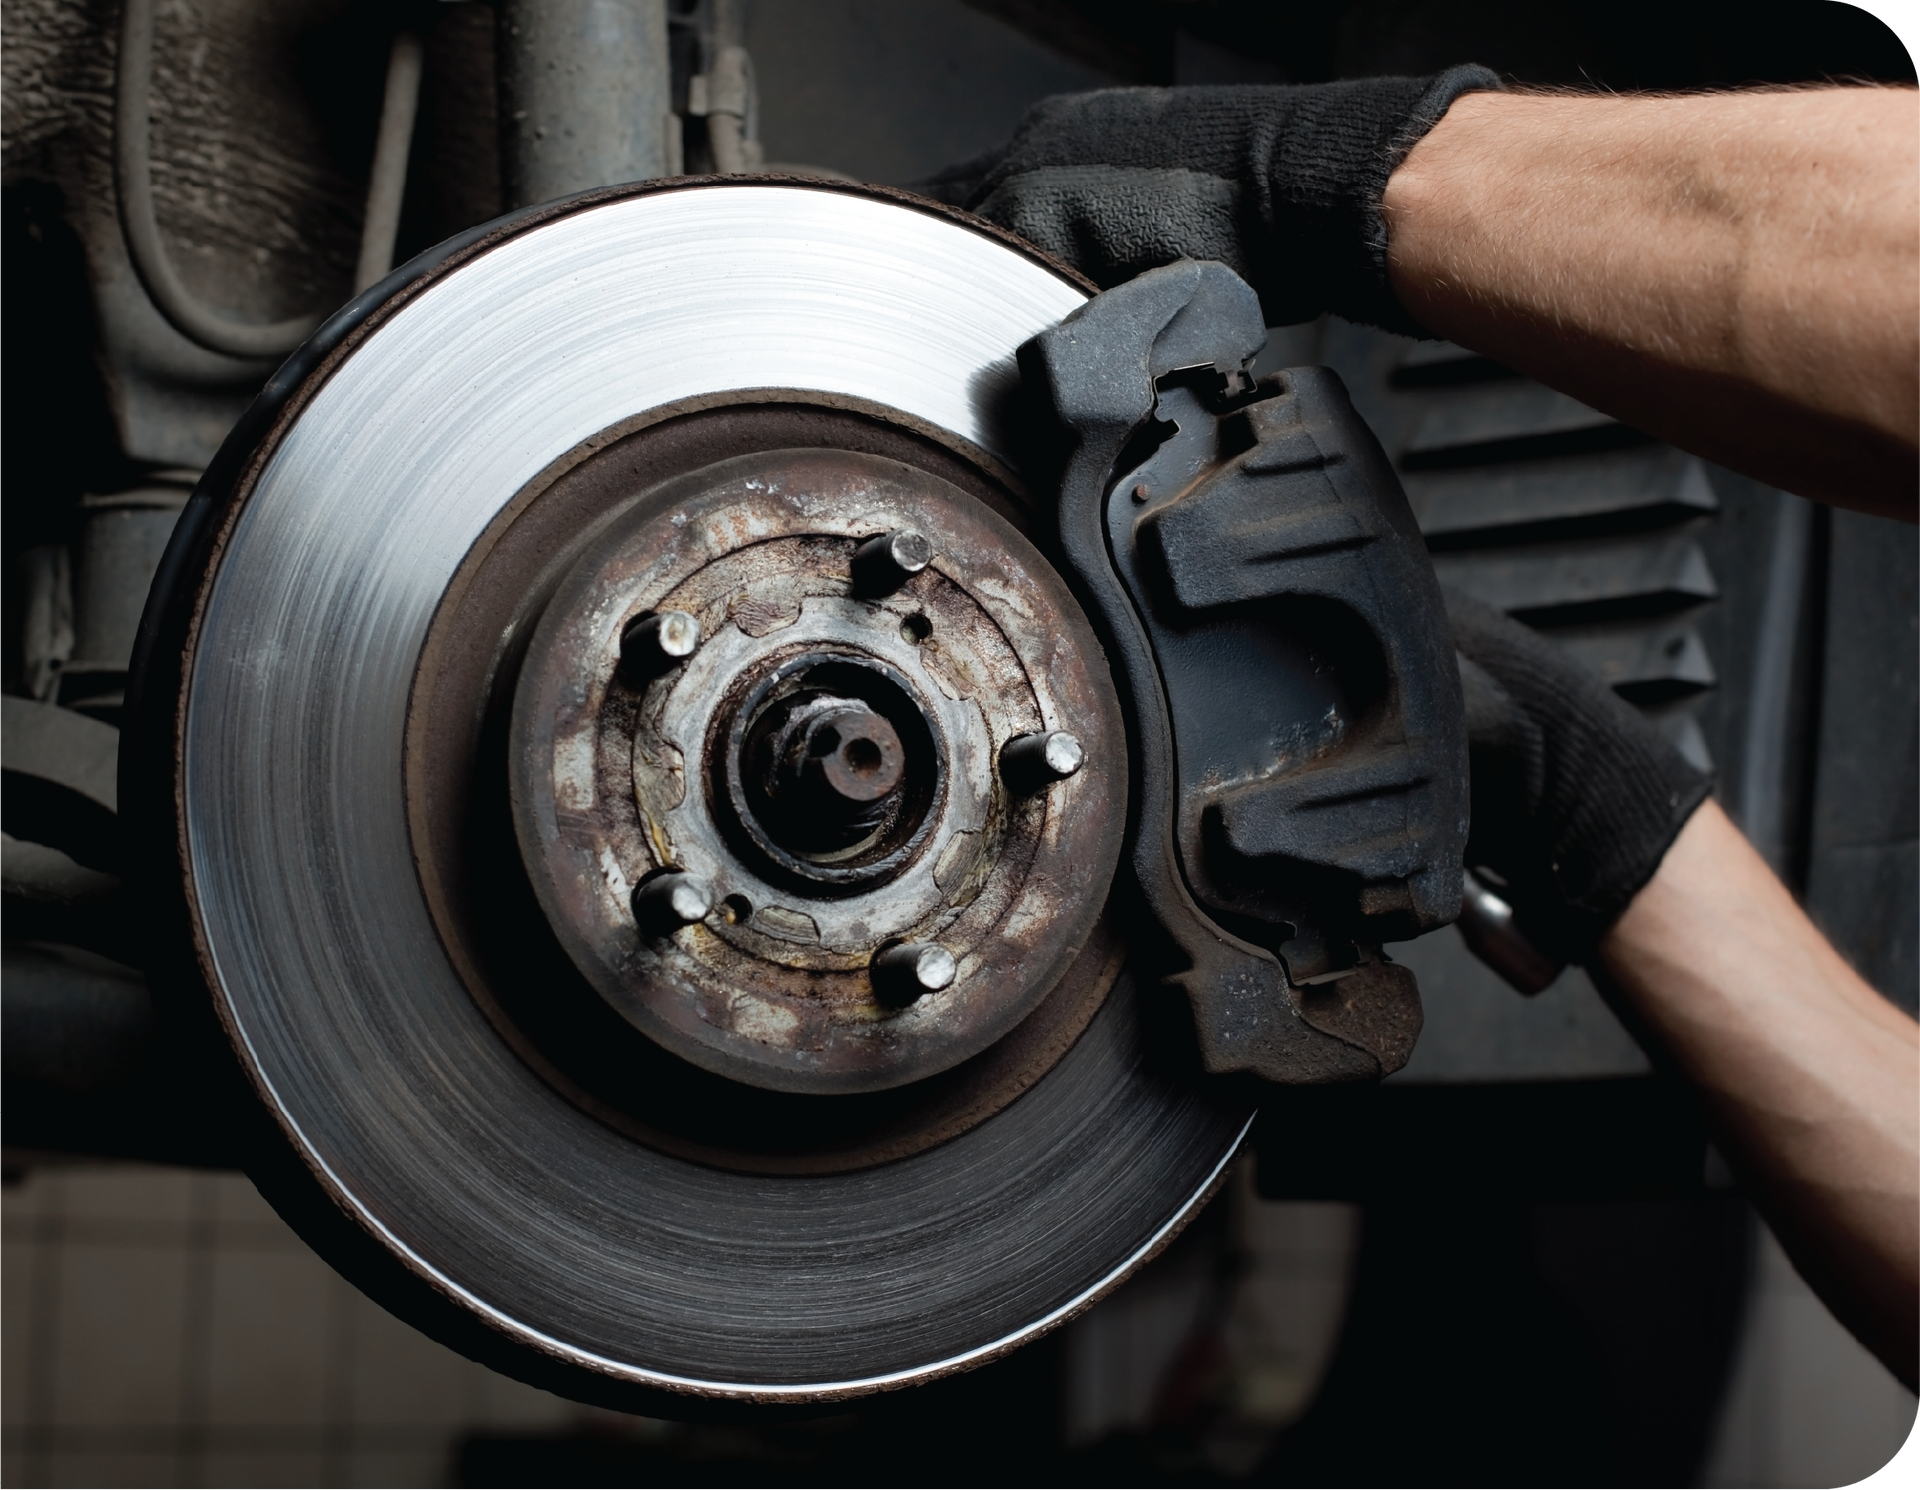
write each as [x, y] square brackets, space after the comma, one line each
[643, 805]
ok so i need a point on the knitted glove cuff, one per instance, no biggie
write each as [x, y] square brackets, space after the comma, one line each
[1373, 302]
[1283, 184]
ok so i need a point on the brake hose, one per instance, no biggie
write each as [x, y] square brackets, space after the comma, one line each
[133, 180]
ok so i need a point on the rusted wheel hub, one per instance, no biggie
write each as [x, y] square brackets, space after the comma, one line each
[824, 764]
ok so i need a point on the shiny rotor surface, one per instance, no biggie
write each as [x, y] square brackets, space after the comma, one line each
[563, 1234]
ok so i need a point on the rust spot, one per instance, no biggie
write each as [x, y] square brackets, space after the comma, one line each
[758, 616]
[959, 857]
[765, 1021]
[786, 923]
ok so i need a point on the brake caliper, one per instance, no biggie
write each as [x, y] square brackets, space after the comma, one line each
[1294, 706]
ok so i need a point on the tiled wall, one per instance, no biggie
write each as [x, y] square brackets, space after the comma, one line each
[1282, 1317]
[164, 1327]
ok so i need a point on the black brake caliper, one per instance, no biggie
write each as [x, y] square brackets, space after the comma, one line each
[1300, 752]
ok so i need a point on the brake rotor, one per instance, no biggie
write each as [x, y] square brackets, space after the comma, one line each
[645, 805]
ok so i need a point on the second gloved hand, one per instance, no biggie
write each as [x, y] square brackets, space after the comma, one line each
[1576, 797]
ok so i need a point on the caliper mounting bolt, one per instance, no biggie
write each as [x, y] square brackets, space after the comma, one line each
[906, 970]
[1032, 763]
[884, 563]
[656, 643]
[668, 901]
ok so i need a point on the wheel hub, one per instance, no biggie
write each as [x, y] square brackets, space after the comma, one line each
[824, 764]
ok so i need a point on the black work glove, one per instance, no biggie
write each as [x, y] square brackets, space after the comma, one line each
[1280, 183]
[1576, 797]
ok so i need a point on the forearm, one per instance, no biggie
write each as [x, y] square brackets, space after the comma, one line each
[1736, 273]
[1812, 1079]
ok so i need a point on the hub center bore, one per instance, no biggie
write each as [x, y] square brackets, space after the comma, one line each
[831, 767]
[828, 771]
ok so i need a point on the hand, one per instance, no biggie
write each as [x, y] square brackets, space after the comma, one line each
[1576, 797]
[1281, 184]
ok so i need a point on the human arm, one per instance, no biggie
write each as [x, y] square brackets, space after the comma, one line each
[1811, 1079]
[1736, 273]
[1602, 839]
[1578, 803]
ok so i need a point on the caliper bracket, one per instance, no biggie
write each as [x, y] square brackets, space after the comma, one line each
[1279, 635]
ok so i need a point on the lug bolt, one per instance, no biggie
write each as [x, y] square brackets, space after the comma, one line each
[671, 900]
[1032, 763]
[882, 565]
[654, 644]
[906, 970]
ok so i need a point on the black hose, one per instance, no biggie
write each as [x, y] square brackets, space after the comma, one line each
[133, 181]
